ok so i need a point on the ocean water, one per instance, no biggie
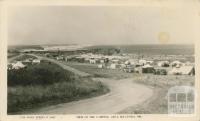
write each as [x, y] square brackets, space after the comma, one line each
[153, 49]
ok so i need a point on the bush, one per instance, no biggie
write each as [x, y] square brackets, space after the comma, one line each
[42, 74]
[27, 97]
[47, 84]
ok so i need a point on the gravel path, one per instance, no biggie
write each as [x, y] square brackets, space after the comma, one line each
[123, 94]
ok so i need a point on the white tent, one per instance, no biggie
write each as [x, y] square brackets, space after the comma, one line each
[18, 65]
[187, 70]
[36, 61]
[184, 70]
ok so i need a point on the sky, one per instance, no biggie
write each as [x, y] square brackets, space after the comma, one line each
[99, 25]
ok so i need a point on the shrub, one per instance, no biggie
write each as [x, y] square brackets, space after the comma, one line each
[42, 74]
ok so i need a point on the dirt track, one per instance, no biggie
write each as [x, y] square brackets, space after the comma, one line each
[123, 93]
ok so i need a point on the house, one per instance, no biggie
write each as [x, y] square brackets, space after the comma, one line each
[36, 61]
[18, 65]
[148, 69]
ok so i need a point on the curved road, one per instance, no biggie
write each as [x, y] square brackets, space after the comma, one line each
[123, 93]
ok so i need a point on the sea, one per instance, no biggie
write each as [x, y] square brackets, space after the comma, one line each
[153, 49]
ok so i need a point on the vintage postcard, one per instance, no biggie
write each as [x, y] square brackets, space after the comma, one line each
[100, 60]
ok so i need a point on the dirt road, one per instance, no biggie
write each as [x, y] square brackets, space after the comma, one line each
[123, 93]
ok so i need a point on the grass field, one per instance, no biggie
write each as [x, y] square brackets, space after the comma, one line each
[98, 72]
[46, 84]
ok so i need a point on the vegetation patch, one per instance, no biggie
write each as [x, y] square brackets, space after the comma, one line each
[45, 84]
[157, 104]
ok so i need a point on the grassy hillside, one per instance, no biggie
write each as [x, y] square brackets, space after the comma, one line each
[46, 84]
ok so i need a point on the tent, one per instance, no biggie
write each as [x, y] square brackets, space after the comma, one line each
[18, 65]
[148, 69]
[184, 70]
[187, 70]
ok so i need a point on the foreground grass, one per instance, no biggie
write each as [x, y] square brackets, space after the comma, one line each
[34, 88]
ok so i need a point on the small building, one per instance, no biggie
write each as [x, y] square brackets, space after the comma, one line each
[18, 65]
[148, 69]
[36, 61]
